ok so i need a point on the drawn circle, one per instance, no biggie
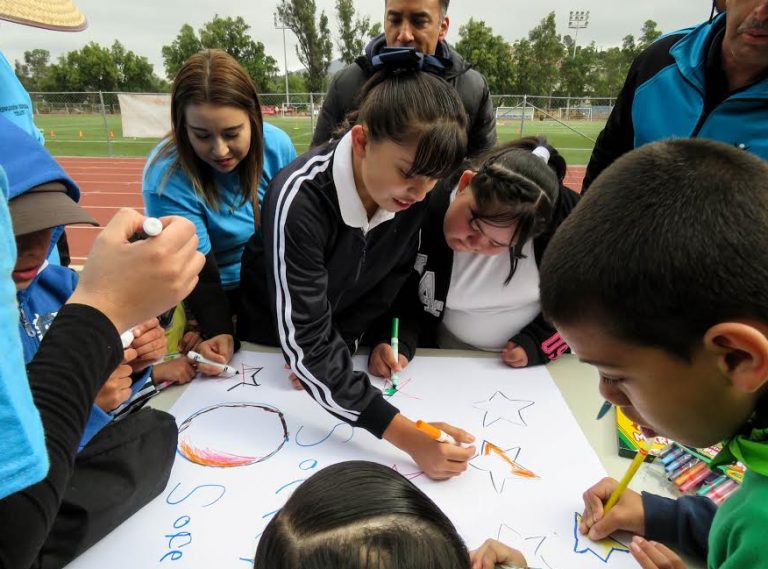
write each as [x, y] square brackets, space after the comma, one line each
[308, 464]
[228, 435]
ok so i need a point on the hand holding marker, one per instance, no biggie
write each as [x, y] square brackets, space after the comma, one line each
[195, 357]
[152, 227]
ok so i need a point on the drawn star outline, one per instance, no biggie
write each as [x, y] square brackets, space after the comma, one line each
[499, 407]
[501, 464]
[532, 547]
[602, 549]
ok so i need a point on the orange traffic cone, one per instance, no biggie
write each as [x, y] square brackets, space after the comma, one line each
[81, 134]
[112, 134]
[53, 133]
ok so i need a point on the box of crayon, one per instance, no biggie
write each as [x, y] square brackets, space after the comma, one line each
[688, 469]
[630, 437]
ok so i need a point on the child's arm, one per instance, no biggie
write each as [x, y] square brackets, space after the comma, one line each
[297, 278]
[538, 343]
[683, 523]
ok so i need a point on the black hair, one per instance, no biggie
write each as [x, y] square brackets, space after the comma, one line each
[410, 106]
[443, 6]
[514, 186]
[670, 240]
[360, 515]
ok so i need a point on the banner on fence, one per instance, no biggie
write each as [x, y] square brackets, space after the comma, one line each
[144, 115]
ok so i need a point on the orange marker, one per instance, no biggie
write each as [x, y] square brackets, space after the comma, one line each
[435, 433]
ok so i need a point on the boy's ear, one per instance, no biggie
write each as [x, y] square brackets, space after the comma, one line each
[742, 352]
[359, 140]
[465, 180]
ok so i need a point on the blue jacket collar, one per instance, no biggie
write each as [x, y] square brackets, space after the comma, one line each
[690, 54]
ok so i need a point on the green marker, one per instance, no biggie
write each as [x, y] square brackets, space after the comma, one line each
[395, 347]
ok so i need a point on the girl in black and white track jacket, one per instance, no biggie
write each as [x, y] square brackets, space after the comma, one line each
[339, 235]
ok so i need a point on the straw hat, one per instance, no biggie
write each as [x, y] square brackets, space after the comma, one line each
[59, 15]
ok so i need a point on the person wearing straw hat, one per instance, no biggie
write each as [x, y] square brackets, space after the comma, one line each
[58, 15]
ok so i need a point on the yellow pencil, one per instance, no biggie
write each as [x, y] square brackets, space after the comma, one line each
[642, 452]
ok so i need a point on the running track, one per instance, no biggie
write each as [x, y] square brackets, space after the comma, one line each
[107, 184]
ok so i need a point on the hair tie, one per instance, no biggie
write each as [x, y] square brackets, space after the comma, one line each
[399, 59]
[543, 153]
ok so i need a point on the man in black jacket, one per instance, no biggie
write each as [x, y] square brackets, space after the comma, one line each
[423, 25]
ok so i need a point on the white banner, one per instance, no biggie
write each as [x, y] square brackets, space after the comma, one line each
[144, 115]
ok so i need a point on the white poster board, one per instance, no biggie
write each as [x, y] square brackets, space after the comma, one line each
[524, 486]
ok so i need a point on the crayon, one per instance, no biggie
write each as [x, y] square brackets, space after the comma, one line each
[604, 408]
[722, 497]
[615, 496]
[667, 449]
[681, 468]
[704, 490]
[675, 454]
[683, 460]
[692, 469]
[696, 479]
[718, 492]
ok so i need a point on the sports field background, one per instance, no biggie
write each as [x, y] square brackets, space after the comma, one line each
[86, 135]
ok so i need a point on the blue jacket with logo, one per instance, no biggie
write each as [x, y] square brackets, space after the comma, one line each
[28, 164]
[664, 96]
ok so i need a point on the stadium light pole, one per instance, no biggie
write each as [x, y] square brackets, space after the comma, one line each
[285, 59]
[578, 20]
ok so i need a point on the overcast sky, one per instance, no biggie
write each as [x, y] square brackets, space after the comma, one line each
[144, 26]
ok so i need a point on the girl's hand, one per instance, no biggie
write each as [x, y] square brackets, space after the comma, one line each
[190, 341]
[178, 371]
[439, 461]
[653, 555]
[219, 349]
[493, 553]
[381, 361]
[116, 390]
[513, 355]
[149, 342]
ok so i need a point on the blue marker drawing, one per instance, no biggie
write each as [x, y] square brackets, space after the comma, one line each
[269, 514]
[308, 464]
[195, 489]
[602, 549]
[284, 486]
[326, 437]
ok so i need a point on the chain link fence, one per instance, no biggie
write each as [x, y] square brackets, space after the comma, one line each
[90, 123]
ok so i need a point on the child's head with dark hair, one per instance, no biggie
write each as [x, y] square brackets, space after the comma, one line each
[659, 277]
[504, 198]
[360, 515]
[409, 131]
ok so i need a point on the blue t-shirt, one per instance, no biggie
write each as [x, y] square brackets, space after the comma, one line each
[23, 459]
[15, 103]
[226, 231]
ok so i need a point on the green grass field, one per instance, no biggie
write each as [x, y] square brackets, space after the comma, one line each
[63, 135]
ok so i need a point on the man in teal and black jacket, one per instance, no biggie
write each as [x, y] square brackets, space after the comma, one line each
[710, 81]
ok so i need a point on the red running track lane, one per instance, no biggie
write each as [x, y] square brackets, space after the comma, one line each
[107, 184]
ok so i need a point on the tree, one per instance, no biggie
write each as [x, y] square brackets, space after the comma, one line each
[98, 68]
[375, 31]
[488, 53]
[547, 51]
[650, 33]
[177, 52]
[231, 35]
[577, 72]
[34, 71]
[353, 32]
[315, 47]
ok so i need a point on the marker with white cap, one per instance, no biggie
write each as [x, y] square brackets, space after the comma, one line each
[152, 227]
[195, 357]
